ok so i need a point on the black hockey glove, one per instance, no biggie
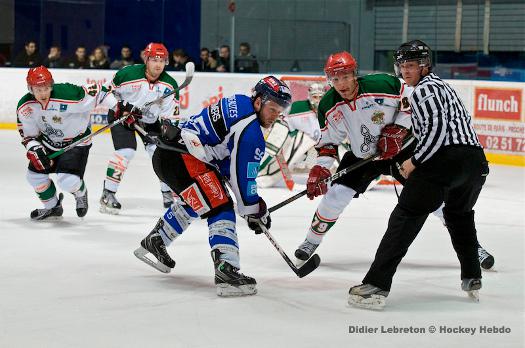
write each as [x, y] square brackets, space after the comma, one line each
[37, 155]
[261, 221]
[124, 109]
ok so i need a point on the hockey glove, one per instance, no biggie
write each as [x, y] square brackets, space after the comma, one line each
[261, 221]
[37, 155]
[391, 140]
[315, 185]
[125, 109]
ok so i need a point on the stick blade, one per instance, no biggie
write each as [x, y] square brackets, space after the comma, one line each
[309, 266]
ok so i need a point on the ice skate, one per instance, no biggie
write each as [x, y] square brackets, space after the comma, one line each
[486, 260]
[304, 252]
[167, 198]
[229, 281]
[471, 286]
[154, 244]
[82, 205]
[367, 296]
[109, 203]
[52, 214]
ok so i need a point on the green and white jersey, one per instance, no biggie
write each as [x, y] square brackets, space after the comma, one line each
[130, 84]
[381, 99]
[64, 119]
[301, 117]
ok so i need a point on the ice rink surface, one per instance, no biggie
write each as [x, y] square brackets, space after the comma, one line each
[76, 283]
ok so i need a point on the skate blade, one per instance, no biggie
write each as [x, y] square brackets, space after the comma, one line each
[473, 295]
[374, 302]
[140, 253]
[227, 290]
[49, 219]
[107, 210]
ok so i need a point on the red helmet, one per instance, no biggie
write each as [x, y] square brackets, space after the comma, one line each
[154, 50]
[340, 62]
[39, 76]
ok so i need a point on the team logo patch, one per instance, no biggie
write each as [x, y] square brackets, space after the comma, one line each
[57, 119]
[337, 116]
[63, 107]
[167, 90]
[380, 101]
[193, 197]
[26, 111]
[378, 117]
[251, 188]
[212, 189]
[253, 170]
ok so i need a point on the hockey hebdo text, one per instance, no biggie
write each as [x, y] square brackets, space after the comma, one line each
[432, 329]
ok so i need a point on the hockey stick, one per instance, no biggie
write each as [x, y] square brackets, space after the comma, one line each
[339, 174]
[190, 69]
[285, 170]
[307, 268]
[155, 140]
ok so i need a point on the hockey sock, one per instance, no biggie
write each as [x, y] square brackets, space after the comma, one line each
[47, 194]
[177, 219]
[223, 237]
[116, 167]
[71, 183]
[81, 191]
[328, 211]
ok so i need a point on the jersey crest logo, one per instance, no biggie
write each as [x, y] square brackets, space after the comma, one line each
[57, 119]
[63, 107]
[378, 117]
[337, 116]
[26, 111]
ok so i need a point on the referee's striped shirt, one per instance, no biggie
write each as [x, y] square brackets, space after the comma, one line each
[439, 118]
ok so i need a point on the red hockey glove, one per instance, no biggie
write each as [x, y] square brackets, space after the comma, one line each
[261, 221]
[124, 109]
[37, 155]
[391, 140]
[315, 185]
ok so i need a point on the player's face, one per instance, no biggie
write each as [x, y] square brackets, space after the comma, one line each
[42, 93]
[345, 85]
[155, 66]
[315, 99]
[268, 112]
[411, 72]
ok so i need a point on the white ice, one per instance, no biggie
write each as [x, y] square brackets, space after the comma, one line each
[76, 283]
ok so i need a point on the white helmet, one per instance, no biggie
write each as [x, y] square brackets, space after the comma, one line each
[315, 93]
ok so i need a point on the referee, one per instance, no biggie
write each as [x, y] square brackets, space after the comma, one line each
[448, 166]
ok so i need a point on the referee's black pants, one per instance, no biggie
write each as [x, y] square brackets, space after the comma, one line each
[454, 175]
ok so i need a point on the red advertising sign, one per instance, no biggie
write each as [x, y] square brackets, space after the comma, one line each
[498, 103]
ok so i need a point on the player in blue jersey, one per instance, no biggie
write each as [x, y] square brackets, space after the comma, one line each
[223, 144]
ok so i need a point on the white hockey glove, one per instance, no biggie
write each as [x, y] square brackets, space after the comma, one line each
[276, 138]
[260, 222]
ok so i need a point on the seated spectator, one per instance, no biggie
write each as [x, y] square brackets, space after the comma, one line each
[79, 60]
[246, 62]
[54, 58]
[126, 58]
[206, 65]
[29, 57]
[223, 63]
[180, 58]
[99, 60]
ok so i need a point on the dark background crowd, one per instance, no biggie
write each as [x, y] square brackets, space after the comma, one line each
[217, 60]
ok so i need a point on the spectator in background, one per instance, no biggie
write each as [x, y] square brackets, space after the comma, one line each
[205, 64]
[79, 60]
[246, 62]
[142, 56]
[180, 58]
[126, 58]
[99, 60]
[54, 58]
[29, 57]
[223, 63]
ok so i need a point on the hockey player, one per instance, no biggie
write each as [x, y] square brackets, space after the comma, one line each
[50, 117]
[448, 165]
[293, 135]
[373, 113]
[137, 85]
[224, 143]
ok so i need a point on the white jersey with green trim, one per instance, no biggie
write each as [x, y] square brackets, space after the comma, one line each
[65, 117]
[381, 99]
[130, 84]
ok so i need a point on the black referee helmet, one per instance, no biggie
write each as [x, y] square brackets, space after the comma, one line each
[410, 51]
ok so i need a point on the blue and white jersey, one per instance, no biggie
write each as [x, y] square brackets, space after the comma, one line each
[228, 135]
